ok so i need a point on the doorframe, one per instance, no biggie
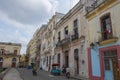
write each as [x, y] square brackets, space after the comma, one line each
[101, 50]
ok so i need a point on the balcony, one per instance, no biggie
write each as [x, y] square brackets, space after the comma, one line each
[94, 5]
[108, 41]
[63, 42]
[8, 54]
[74, 37]
[98, 4]
[49, 34]
[58, 44]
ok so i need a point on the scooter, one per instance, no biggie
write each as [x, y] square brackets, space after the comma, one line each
[34, 73]
[68, 74]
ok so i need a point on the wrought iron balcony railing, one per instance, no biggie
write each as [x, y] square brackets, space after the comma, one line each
[74, 37]
[64, 41]
[94, 5]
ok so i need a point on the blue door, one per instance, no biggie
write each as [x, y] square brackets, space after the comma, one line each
[108, 69]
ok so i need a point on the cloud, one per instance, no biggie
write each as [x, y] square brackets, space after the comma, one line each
[19, 19]
[64, 6]
[27, 11]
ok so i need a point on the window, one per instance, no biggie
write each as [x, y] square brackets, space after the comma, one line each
[14, 60]
[47, 61]
[2, 51]
[75, 30]
[59, 36]
[15, 52]
[1, 59]
[76, 26]
[106, 27]
[58, 58]
[107, 64]
[75, 23]
[66, 30]
[76, 54]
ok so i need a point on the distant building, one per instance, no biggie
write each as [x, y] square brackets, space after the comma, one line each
[9, 54]
[48, 42]
[23, 61]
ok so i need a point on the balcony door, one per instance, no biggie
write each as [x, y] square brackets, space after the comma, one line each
[106, 27]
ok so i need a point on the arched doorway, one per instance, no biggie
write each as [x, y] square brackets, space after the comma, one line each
[13, 62]
[1, 62]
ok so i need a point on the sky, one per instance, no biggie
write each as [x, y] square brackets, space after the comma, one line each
[19, 19]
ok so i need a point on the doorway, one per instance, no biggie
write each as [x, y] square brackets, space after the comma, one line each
[1, 62]
[111, 67]
[76, 58]
[13, 63]
[66, 59]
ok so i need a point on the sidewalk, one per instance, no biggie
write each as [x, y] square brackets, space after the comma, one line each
[12, 74]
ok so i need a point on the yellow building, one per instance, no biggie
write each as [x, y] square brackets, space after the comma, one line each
[23, 60]
[9, 54]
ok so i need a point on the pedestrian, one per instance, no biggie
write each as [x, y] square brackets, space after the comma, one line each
[63, 69]
[34, 71]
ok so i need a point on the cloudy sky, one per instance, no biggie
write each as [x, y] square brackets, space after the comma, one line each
[20, 18]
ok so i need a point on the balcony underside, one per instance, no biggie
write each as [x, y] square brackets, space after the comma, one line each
[108, 41]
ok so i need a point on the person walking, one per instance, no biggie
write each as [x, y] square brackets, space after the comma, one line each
[34, 71]
[63, 69]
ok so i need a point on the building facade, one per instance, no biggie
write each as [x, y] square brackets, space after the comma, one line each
[49, 42]
[9, 54]
[104, 39]
[71, 41]
[32, 50]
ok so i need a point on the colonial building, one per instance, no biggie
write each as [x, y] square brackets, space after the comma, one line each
[71, 41]
[103, 25]
[9, 54]
[32, 50]
[43, 60]
[38, 47]
[49, 41]
[23, 61]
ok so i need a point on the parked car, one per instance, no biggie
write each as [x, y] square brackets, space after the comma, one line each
[56, 69]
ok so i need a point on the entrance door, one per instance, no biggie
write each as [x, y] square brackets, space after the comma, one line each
[13, 65]
[77, 66]
[13, 62]
[108, 69]
[1, 62]
[66, 59]
[76, 57]
[111, 65]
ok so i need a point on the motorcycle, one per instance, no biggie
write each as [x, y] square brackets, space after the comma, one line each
[68, 74]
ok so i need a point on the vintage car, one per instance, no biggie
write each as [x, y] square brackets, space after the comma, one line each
[56, 69]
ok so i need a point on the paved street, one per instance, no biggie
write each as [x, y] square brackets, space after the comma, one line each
[26, 74]
[12, 74]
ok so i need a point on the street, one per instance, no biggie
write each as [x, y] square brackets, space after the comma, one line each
[26, 74]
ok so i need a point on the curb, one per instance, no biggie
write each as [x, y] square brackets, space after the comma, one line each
[4, 73]
[79, 78]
